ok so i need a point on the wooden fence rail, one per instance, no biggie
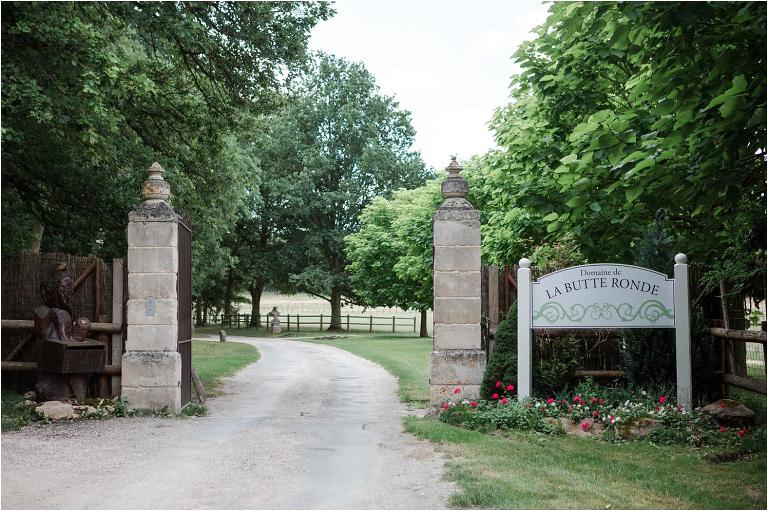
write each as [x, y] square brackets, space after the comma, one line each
[321, 320]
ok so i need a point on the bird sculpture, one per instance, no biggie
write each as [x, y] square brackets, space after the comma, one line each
[58, 292]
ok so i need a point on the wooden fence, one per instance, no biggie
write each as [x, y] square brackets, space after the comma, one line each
[348, 322]
[99, 294]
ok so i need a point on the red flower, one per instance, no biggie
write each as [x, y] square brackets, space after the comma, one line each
[595, 414]
[445, 406]
[570, 408]
[563, 401]
[722, 404]
[585, 425]
[456, 390]
[600, 401]
[592, 399]
[742, 432]
[503, 400]
[550, 400]
[494, 396]
[657, 409]
[663, 399]
[473, 404]
[511, 388]
[613, 419]
[498, 384]
[576, 399]
[723, 429]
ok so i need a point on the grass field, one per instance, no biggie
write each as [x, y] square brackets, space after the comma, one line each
[406, 357]
[528, 470]
[214, 360]
[13, 416]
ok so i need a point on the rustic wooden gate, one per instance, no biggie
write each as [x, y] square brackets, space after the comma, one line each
[184, 293]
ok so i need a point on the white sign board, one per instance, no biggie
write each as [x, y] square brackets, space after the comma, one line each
[603, 296]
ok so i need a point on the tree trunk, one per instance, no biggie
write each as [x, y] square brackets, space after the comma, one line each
[256, 305]
[423, 329]
[335, 309]
[38, 239]
[198, 313]
[205, 313]
[228, 293]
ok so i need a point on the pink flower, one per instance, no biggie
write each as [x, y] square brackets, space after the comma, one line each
[495, 396]
[600, 401]
[550, 400]
[563, 401]
[592, 399]
[595, 414]
[722, 404]
[511, 388]
[473, 404]
[445, 406]
[456, 390]
[570, 408]
[576, 399]
[585, 425]
[498, 384]
[742, 432]
[503, 400]
[663, 399]
[613, 419]
[657, 409]
[723, 429]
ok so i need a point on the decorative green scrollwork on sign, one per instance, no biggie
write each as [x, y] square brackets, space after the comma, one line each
[650, 310]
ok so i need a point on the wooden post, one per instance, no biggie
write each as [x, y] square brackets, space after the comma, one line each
[393, 324]
[414, 324]
[347, 322]
[370, 323]
[298, 323]
[96, 293]
[683, 333]
[102, 384]
[524, 345]
[289, 323]
[116, 348]
[321, 321]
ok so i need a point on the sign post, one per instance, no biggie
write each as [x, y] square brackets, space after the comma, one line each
[605, 296]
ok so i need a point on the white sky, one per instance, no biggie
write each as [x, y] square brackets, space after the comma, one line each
[447, 62]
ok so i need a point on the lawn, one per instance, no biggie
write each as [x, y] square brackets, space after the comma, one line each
[405, 356]
[528, 470]
[214, 360]
[14, 416]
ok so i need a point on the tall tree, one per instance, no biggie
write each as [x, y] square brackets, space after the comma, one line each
[352, 144]
[628, 111]
[93, 92]
[390, 257]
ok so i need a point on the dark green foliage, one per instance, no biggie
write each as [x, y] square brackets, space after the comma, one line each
[704, 358]
[555, 363]
[502, 365]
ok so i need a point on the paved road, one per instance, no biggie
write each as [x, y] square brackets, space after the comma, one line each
[308, 426]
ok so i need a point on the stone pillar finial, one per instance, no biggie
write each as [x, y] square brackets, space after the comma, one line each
[454, 185]
[155, 188]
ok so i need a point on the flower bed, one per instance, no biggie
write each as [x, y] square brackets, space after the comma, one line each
[610, 414]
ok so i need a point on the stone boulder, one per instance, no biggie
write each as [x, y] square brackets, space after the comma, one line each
[55, 410]
[639, 427]
[594, 428]
[729, 412]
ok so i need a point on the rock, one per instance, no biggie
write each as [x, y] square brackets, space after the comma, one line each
[729, 412]
[55, 410]
[637, 428]
[593, 428]
[30, 395]
[27, 403]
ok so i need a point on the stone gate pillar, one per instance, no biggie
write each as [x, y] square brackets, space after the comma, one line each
[151, 378]
[457, 359]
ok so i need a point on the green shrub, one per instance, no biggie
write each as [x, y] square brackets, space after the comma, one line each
[502, 365]
[556, 370]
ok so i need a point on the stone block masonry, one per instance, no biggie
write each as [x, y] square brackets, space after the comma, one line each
[151, 378]
[457, 358]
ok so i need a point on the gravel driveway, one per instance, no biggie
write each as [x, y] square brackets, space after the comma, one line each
[307, 426]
